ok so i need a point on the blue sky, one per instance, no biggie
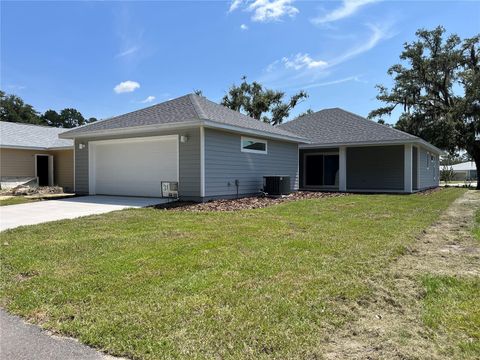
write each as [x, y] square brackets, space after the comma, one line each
[108, 58]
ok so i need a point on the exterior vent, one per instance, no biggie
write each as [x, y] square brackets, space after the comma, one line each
[276, 185]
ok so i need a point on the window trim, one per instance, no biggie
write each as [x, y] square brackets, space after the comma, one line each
[428, 160]
[246, 138]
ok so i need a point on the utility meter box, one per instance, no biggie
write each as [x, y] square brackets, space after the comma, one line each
[170, 189]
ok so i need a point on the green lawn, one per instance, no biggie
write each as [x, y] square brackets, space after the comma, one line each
[476, 229]
[452, 306]
[16, 200]
[265, 283]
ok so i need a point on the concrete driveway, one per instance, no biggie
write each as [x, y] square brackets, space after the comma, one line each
[13, 216]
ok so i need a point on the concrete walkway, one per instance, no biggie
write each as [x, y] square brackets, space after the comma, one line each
[12, 216]
[22, 341]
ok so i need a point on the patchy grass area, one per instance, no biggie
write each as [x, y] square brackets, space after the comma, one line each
[476, 229]
[452, 306]
[14, 200]
[265, 283]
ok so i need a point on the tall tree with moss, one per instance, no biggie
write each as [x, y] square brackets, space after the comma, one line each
[261, 103]
[67, 118]
[14, 109]
[437, 89]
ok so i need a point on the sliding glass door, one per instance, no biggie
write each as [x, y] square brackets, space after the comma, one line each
[321, 170]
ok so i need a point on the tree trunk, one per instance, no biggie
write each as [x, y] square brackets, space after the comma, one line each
[476, 158]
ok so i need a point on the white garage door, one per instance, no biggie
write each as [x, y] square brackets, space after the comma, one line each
[132, 167]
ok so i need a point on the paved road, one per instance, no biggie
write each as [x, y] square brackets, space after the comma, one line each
[12, 216]
[22, 341]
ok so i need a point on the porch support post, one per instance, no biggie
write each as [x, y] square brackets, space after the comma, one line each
[342, 170]
[407, 171]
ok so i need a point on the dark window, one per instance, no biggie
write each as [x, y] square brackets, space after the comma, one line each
[254, 145]
[331, 167]
[321, 170]
[314, 170]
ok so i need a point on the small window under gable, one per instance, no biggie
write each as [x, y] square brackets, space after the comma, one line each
[253, 145]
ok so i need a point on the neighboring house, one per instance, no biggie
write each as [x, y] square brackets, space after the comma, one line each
[213, 152]
[210, 150]
[350, 153]
[463, 171]
[32, 151]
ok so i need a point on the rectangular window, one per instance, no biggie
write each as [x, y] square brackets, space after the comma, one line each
[253, 145]
[428, 160]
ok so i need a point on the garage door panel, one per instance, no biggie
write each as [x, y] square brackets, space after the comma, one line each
[134, 167]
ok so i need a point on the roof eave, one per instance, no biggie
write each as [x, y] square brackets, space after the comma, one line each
[54, 148]
[129, 130]
[20, 147]
[417, 141]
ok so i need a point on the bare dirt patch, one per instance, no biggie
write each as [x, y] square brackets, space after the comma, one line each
[254, 202]
[31, 190]
[389, 324]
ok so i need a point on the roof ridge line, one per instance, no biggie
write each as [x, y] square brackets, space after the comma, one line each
[128, 113]
[305, 115]
[197, 107]
[377, 123]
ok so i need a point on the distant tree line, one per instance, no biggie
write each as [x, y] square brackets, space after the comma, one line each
[14, 109]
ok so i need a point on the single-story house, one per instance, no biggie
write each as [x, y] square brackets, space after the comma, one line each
[214, 152]
[210, 150]
[347, 152]
[463, 171]
[33, 152]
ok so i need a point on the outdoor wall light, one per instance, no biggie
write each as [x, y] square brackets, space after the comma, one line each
[183, 139]
[81, 146]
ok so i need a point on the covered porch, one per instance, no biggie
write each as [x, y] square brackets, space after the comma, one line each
[355, 168]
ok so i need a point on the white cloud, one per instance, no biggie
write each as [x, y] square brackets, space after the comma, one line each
[244, 27]
[266, 10]
[127, 52]
[348, 8]
[303, 70]
[16, 87]
[126, 86]
[149, 99]
[269, 10]
[234, 5]
[377, 34]
[301, 61]
[334, 82]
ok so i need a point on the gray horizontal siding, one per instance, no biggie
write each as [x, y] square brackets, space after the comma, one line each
[189, 158]
[225, 163]
[81, 168]
[375, 168]
[428, 171]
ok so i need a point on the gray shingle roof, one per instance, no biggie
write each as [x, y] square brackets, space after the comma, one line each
[186, 108]
[32, 136]
[337, 126]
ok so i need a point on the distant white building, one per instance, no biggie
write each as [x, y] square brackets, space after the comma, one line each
[463, 171]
